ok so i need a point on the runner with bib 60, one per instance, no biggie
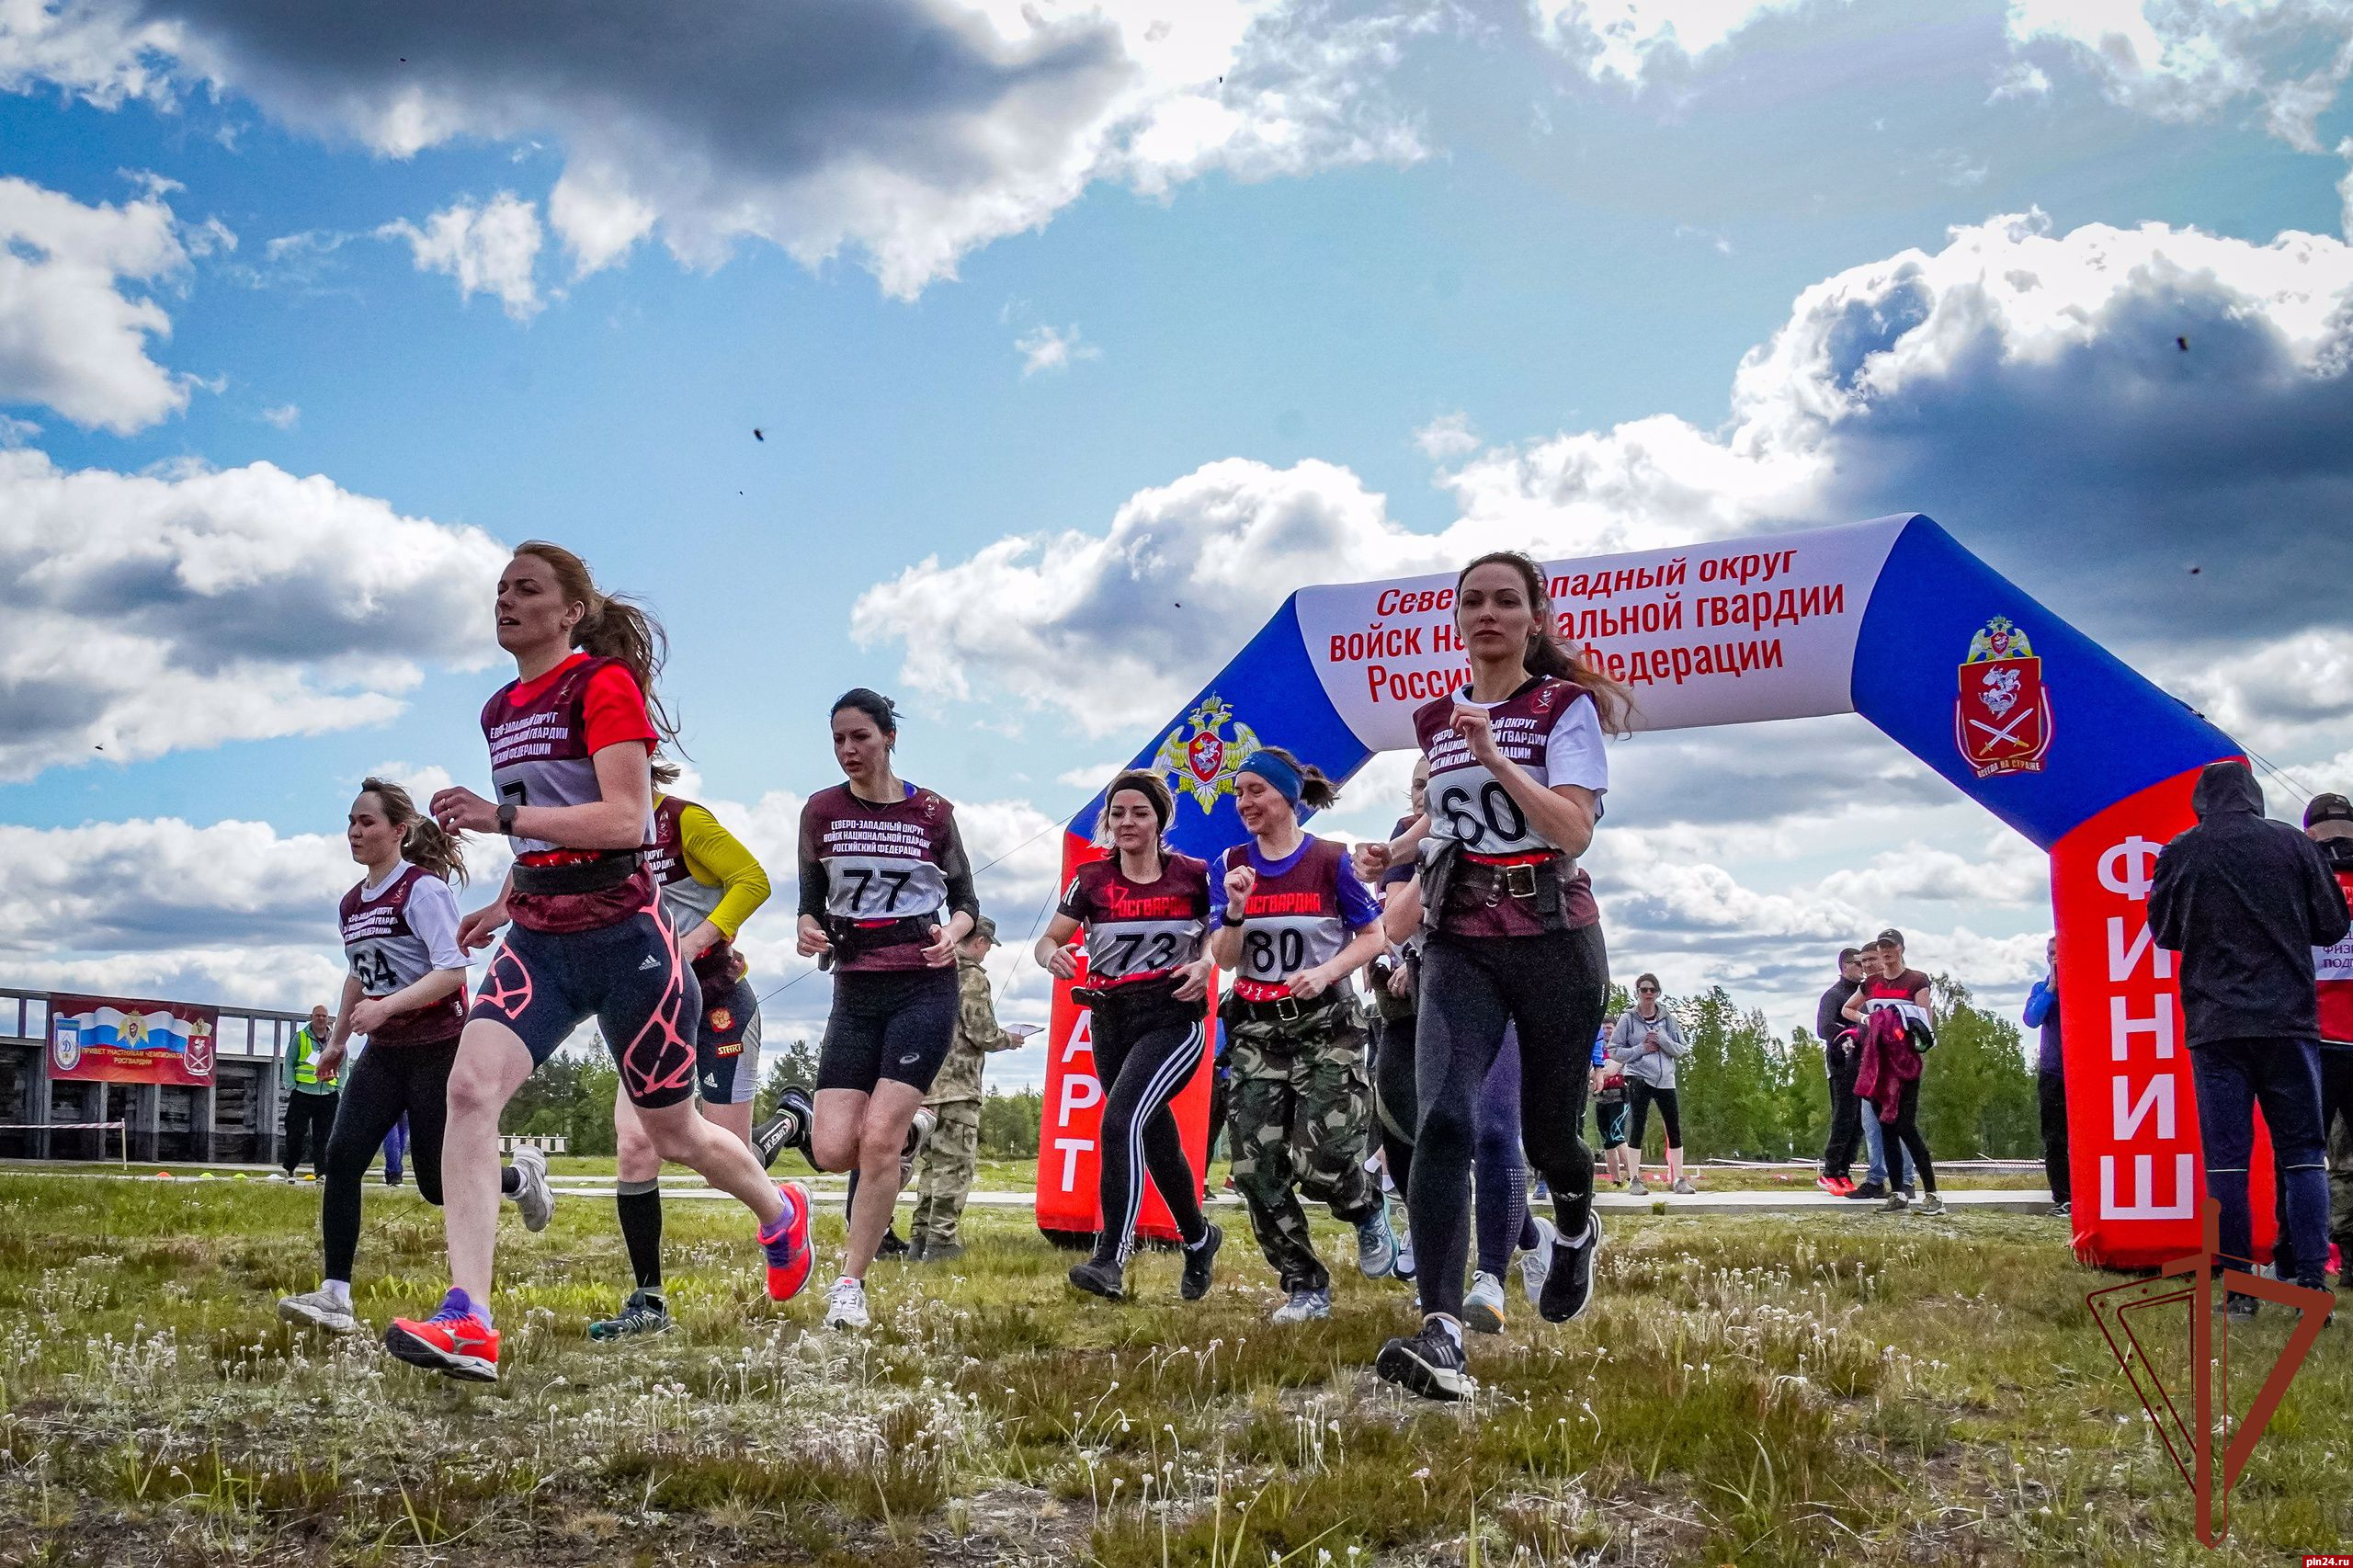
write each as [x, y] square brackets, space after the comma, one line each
[1513, 937]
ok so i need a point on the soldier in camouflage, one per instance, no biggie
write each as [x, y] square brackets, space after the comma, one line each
[1301, 1114]
[950, 1161]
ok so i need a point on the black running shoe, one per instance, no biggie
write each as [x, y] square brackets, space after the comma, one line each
[1568, 1289]
[787, 1129]
[893, 1244]
[644, 1313]
[1101, 1276]
[1197, 1265]
[1429, 1364]
[1869, 1190]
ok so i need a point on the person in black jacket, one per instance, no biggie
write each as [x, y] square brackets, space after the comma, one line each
[1837, 1037]
[2244, 900]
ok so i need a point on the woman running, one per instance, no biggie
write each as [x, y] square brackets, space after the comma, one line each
[406, 996]
[710, 884]
[1502, 1220]
[1514, 938]
[1144, 911]
[1292, 922]
[886, 895]
[1894, 1012]
[571, 739]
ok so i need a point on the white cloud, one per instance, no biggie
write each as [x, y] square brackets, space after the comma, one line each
[2190, 60]
[1627, 39]
[491, 248]
[2019, 80]
[150, 613]
[2014, 383]
[905, 131]
[1043, 348]
[1446, 437]
[71, 336]
[286, 415]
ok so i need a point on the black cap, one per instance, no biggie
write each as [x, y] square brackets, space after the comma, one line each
[2328, 808]
[1890, 934]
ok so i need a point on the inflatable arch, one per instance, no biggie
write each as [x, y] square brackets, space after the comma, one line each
[1892, 620]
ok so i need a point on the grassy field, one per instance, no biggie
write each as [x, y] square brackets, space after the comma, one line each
[1843, 1387]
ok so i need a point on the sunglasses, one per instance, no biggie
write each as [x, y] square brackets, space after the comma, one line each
[1647, 991]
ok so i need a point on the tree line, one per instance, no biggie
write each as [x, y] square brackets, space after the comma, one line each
[1746, 1092]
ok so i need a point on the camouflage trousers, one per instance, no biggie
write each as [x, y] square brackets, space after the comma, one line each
[946, 1170]
[1300, 1120]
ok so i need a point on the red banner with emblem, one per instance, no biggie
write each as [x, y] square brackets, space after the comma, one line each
[120, 1041]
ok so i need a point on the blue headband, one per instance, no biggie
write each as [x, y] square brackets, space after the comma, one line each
[1274, 771]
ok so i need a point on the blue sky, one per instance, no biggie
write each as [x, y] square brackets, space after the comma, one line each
[1558, 227]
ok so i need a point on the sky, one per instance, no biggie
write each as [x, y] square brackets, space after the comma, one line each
[916, 342]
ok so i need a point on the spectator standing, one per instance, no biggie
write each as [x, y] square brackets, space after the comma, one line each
[2328, 823]
[1609, 1108]
[2244, 900]
[1648, 1042]
[1895, 1026]
[2051, 1081]
[951, 1160]
[1837, 1037]
[312, 1096]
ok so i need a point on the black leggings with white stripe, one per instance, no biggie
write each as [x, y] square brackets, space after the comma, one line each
[1144, 1057]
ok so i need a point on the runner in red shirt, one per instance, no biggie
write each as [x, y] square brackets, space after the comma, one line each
[570, 740]
[1144, 911]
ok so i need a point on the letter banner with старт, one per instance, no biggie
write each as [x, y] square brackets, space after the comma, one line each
[119, 1040]
[1892, 620]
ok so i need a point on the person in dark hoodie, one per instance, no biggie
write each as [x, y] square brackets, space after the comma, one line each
[1837, 1037]
[2244, 900]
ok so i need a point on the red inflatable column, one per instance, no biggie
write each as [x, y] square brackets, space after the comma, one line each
[1069, 1141]
[2132, 1104]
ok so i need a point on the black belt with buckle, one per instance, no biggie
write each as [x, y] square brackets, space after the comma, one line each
[1490, 884]
[577, 875]
[1278, 1009]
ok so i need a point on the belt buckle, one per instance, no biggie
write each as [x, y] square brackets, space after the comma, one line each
[1521, 881]
[1287, 1009]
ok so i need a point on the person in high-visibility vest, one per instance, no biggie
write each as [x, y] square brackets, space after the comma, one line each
[312, 1097]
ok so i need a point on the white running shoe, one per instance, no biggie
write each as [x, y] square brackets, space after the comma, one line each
[1483, 1307]
[1535, 1266]
[1376, 1244]
[845, 1304]
[1301, 1305]
[919, 1134]
[1405, 1267]
[534, 1199]
[320, 1310]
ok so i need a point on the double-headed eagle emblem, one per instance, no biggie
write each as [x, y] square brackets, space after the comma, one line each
[1203, 763]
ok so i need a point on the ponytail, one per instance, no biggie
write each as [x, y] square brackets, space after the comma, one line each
[425, 843]
[1548, 655]
[614, 626]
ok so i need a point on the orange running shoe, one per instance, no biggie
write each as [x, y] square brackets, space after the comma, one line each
[455, 1341]
[787, 1244]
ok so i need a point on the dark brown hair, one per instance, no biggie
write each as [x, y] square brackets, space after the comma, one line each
[1649, 980]
[615, 627]
[1153, 788]
[1547, 653]
[665, 773]
[424, 842]
[874, 705]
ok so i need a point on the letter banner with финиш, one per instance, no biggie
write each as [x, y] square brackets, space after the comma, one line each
[123, 1041]
[1892, 620]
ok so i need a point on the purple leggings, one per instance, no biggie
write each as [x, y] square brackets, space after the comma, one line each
[1500, 1169]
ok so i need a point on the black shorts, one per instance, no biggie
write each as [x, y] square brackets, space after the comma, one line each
[544, 984]
[727, 1047]
[894, 1024]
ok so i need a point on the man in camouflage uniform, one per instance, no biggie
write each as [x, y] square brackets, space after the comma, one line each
[950, 1161]
[1300, 1117]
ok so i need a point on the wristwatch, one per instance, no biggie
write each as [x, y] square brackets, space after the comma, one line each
[506, 818]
